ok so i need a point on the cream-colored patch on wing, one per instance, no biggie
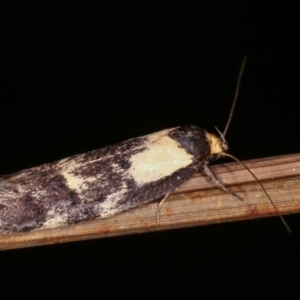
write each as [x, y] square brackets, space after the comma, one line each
[157, 135]
[54, 220]
[159, 139]
[108, 207]
[75, 182]
[162, 157]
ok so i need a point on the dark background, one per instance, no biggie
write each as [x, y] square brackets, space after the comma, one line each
[80, 75]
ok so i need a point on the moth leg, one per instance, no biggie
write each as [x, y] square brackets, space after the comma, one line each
[159, 205]
[219, 184]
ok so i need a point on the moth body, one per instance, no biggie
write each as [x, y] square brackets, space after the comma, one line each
[103, 182]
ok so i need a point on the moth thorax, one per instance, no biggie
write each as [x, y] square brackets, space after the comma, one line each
[218, 147]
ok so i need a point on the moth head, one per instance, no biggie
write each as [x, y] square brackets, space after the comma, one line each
[218, 146]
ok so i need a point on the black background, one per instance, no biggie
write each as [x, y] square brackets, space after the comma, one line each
[80, 75]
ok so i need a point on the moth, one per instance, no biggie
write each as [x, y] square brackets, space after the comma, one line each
[107, 181]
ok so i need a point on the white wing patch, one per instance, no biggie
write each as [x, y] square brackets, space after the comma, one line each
[54, 220]
[162, 157]
[109, 206]
[75, 182]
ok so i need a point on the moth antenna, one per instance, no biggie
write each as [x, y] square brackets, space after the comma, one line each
[221, 135]
[269, 198]
[237, 90]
